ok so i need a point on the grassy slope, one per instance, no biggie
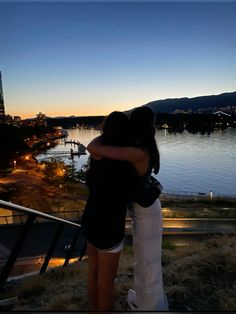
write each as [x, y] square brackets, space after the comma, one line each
[202, 277]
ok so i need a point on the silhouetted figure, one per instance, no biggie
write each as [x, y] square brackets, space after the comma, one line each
[103, 220]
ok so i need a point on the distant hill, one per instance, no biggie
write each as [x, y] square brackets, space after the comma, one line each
[196, 104]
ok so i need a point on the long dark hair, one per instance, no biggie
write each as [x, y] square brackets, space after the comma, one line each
[143, 123]
[113, 174]
[116, 130]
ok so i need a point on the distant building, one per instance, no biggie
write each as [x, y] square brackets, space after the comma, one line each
[2, 108]
[223, 119]
[221, 113]
[8, 119]
[180, 111]
[16, 120]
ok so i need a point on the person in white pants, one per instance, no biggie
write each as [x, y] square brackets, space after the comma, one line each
[148, 293]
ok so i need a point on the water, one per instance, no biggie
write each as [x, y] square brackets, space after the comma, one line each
[189, 162]
[198, 163]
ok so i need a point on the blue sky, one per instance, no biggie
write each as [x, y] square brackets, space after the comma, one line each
[80, 58]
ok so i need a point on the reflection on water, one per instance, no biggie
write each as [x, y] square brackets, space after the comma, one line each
[189, 162]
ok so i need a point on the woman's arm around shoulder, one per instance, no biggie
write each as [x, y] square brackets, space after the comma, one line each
[132, 154]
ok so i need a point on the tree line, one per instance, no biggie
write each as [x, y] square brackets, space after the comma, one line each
[194, 122]
[13, 140]
[70, 122]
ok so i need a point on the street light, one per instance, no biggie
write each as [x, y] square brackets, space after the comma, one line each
[14, 164]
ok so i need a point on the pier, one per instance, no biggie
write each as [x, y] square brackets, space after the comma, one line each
[81, 149]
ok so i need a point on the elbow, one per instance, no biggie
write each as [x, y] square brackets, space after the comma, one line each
[92, 147]
[89, 149]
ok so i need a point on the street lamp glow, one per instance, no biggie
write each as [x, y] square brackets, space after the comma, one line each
[14, 164]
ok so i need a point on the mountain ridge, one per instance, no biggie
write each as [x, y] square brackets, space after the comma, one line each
[169, 105]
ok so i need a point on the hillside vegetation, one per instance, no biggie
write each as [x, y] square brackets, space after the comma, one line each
[196, 278]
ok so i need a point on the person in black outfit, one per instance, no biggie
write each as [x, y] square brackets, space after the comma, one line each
[103, 221]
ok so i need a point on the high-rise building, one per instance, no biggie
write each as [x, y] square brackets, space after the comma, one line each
[2, 109]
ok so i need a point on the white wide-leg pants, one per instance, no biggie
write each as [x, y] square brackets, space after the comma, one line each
[148, 293]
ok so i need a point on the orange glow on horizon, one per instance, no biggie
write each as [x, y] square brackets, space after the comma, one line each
[98, 111]
[50, 111]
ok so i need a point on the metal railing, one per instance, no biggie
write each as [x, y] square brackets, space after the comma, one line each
[20, 218]
[188, 194]
[31, 216]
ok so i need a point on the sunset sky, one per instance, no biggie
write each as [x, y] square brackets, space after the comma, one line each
[91, 58]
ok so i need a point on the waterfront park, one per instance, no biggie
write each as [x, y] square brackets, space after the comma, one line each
[198, 259]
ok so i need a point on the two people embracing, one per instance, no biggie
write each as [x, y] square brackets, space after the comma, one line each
[120, 166]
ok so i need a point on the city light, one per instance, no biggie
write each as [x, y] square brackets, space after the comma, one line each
[57, 261]
[60, 172]
[43, 166]
[166, 210]
[14, 164]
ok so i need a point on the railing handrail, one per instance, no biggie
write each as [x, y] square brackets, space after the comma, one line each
[192, 193]
[9, 205]
[129, 219]
[50, 213]
[22, 237]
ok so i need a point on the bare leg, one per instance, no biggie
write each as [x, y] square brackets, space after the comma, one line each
[92, 276]
[108, 264]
